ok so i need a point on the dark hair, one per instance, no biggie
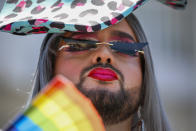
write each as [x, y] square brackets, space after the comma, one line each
[152, 112]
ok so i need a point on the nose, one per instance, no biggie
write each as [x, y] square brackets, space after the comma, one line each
[103, 55]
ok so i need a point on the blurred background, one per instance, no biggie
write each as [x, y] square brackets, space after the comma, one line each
[172, 38]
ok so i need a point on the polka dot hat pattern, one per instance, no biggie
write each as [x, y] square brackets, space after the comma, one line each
[23, 17]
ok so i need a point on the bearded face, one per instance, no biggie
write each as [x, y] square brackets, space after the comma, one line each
[111, 80]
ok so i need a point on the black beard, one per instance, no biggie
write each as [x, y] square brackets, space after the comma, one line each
[113, 107]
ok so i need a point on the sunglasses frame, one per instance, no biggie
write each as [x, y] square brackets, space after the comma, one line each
[128, 48]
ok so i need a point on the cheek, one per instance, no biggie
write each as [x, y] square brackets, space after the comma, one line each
[132, 74]
[69, 68]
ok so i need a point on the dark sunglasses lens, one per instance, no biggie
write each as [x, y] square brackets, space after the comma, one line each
[77, 45]
[130, 52]
[131, 49]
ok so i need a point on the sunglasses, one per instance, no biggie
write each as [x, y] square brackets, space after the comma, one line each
[76, 45]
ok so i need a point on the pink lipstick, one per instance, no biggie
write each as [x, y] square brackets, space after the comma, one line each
[103, 74]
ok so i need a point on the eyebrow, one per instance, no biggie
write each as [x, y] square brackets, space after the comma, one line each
[122, 35]
[114, 33]
[79, 34]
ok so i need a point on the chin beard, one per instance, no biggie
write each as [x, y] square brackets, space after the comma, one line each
[113, 107]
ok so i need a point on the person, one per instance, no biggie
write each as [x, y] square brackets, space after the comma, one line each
[113, 68]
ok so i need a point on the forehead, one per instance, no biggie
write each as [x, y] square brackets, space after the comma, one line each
[122, 26]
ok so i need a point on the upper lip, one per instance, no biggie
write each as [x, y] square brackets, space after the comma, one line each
[104, 74]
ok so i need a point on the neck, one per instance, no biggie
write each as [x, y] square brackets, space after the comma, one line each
[122, 126]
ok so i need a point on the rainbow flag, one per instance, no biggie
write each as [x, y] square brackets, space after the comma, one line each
[59, 107]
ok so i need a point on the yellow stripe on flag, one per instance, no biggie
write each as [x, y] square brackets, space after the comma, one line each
[54, 109]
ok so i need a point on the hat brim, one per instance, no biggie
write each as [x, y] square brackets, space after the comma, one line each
[23, 17]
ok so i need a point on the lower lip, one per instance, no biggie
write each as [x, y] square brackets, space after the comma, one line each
[103, 74]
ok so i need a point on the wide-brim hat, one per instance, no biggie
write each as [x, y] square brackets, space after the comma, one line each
[23, 17]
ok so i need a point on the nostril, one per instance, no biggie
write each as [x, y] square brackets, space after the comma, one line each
[98, 59]
[108, 60]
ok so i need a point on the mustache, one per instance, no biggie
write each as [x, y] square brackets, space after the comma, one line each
[104, 66]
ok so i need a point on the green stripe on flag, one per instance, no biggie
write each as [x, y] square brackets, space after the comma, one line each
[40, 119]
